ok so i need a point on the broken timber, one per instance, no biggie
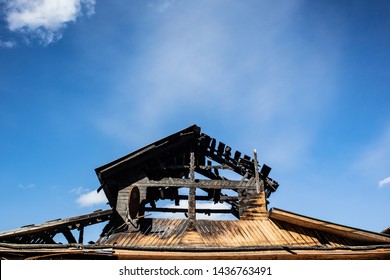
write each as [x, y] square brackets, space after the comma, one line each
[44, 233]
[198, 183]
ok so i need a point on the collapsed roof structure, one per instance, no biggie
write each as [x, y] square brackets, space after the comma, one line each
[183, 173]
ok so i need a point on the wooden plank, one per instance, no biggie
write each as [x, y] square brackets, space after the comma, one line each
[133, 238]
[349, 232]
[198, 183]
[278, 232]
[259, 231]
[205, 232]
[210, 234]
[264, 254]
[304, 233]
[154, 235]
[178, 228]
[120, 238]
[88, 219]
[268, 232]
[191, 238]
[185, 210]
[254, 237]
[229, 237]
[246, 237]
[286, 229]
[282, 254]
[231, 230]
[283, 233]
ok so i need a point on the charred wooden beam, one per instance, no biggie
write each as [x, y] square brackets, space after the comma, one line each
[44, 232]
[192, 193]
[69, 236]
[47, 238]
[241, 165]
[259, 186]
[217, 195]
[222, 198]
[209, 174]
[81, 234]
[198, 183]
[184, 210]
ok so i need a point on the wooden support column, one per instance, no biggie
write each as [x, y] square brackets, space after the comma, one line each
[253, 204]
[259, 186]
[81, 234]
[192, 194]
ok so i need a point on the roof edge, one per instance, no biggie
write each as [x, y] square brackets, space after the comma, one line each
[342, 230]
[191, 129]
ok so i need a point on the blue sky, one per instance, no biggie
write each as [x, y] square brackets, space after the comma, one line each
[306, 83]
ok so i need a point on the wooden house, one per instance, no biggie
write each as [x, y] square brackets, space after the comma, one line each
[181, 174]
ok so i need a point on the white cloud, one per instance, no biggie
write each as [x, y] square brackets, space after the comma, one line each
[79, 190]
[7, 44]
[384, 182]
[26, 187]
[161, 5]
[88, 198]
[91, 198]
[45, 19]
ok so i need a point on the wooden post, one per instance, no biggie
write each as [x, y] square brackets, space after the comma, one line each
[259, 185]
[81, 235]
[253, 204]
[192, 194]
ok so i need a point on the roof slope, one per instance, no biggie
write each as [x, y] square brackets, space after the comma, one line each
[283, 235]
[281, 229]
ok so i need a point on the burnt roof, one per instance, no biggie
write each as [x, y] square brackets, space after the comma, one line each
[170, 156]
[166, 147]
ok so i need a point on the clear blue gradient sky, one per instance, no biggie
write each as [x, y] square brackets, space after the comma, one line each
[306, 83]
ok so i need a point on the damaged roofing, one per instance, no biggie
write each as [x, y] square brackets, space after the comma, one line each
[169, 157]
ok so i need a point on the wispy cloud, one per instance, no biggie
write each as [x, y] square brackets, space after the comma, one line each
[27, 187]
[373, 160]
[45, 20]
[210, 70]
[7, 44]
[161, 5]
[79, 190]
[91, 198]
[384, 182]
[86, 198]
